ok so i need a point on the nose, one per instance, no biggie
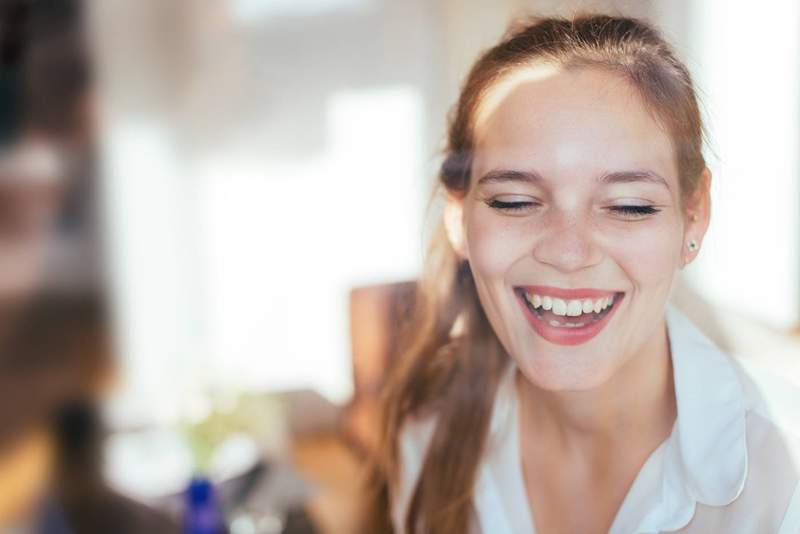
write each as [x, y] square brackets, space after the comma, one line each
[567, 244]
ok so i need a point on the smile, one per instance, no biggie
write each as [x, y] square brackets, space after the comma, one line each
[567, 317]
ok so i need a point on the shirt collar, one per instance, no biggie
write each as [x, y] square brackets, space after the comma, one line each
[710, 427]
[705, 458]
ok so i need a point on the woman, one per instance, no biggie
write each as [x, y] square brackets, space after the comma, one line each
[547, 384]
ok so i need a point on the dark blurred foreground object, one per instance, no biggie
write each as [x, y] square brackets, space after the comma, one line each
[45, 73]
[47, 145]
[89, 506]
[55, 357]
[53, 364]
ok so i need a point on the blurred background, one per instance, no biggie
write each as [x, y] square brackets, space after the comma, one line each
[212, 214]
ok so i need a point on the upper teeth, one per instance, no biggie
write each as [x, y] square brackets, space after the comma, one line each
[572, 308]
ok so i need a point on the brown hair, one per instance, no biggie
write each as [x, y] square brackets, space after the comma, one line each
[456, 376]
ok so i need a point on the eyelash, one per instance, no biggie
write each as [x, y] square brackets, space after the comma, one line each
[508, 206]
[635, 210]
[625, 211]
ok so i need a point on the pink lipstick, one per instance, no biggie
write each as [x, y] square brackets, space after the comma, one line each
[565, 329]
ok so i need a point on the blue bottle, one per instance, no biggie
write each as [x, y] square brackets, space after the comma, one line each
[203, 514]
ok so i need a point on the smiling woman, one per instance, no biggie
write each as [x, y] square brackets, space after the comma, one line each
[547, 383]
[590, 220]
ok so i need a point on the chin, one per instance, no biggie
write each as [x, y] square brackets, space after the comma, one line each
[553, 375]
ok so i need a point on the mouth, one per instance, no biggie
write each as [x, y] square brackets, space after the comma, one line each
[568, 321]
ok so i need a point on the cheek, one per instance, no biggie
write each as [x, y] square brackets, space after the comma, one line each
[649, 253]
[493, 245]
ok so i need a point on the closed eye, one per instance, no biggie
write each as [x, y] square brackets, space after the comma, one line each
[518, 206]
[634, 211]
[510, 206]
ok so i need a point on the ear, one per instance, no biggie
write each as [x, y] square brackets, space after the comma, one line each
[698, 216]
[454, 224]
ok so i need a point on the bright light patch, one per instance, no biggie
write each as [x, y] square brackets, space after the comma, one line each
[285, 243]
[249, 11]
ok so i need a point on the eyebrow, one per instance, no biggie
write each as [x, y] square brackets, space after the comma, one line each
[532, 177]
[503, 176]
[624, 177]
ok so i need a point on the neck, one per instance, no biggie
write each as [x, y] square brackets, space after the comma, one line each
[635, 407]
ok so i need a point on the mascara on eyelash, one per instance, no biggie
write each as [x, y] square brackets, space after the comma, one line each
[507, 205]
[641, 210]
[626, 210]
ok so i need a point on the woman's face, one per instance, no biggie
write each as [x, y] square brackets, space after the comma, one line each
[574, 198]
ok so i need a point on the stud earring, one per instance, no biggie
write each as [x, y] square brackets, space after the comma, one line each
[694, 217]
[692, 244]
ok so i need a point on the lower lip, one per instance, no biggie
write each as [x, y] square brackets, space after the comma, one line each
[566, 335]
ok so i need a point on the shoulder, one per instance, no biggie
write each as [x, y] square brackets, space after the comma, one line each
[744, 428]
[771, 402]
[765, 367]
[772, 408]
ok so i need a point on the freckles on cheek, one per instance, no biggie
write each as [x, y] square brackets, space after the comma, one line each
[493, 248]
[648, 256]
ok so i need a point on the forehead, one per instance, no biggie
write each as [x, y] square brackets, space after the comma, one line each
[569, 125]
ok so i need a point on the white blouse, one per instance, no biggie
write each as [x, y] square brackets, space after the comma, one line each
[731, 464]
